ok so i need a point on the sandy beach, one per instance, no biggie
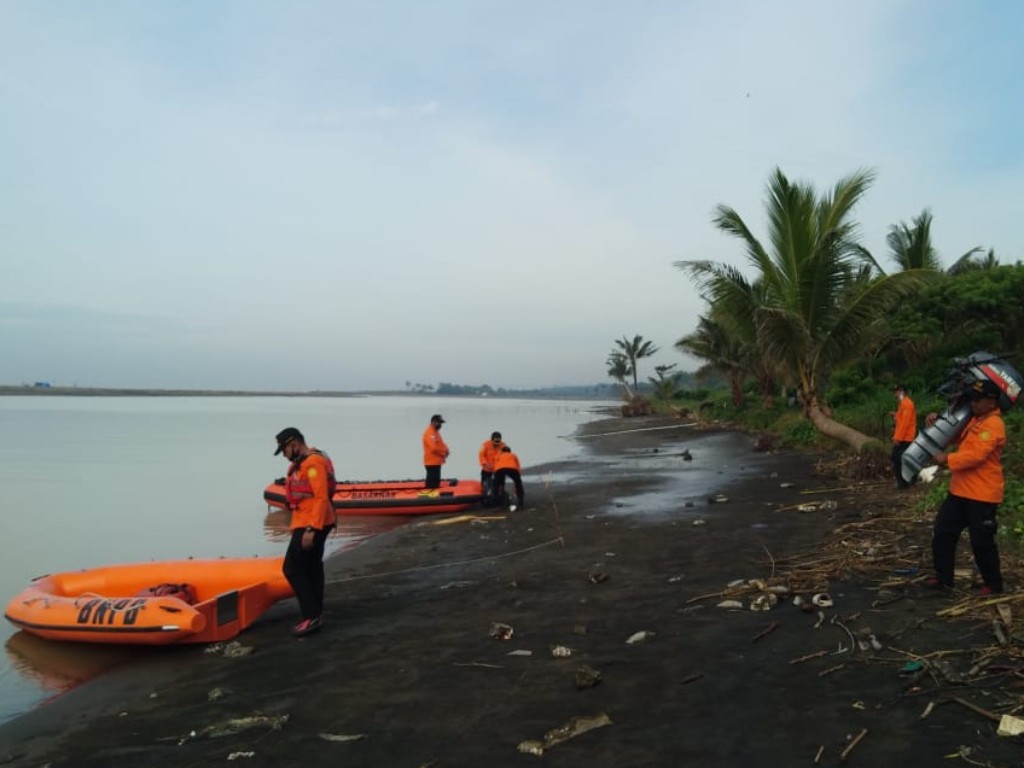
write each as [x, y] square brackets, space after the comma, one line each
[586, 631]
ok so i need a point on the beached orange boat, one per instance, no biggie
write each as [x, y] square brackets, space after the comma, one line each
[392, 497]
[185, 601]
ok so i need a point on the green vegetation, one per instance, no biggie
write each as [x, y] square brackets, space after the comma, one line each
[808, 341]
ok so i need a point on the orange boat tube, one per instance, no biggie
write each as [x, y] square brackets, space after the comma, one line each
[392, 497]
[159, 603]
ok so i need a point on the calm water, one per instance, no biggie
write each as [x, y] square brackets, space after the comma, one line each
[93, 481]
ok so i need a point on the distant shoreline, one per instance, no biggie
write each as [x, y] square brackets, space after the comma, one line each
[34, 391]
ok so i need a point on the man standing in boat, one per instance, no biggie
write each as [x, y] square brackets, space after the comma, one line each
[308, 489]
[435, 451]
[488, 455]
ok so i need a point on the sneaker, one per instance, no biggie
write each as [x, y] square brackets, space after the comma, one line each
[306, 627]
[987, 590]
[934, 583]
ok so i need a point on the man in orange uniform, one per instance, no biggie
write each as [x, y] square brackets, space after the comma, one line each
[975, 491]
[507, 465]
[308, 488]
[903, 434]
[488, 454]
[435, 451]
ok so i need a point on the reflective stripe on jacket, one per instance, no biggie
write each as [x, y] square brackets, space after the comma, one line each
[434, 449]
[976, 467]
[308, 489]
[906, 421]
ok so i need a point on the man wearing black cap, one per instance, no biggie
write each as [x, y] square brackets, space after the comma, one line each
[308, 489]
[975, 491]
[904, 431]
[435, 451]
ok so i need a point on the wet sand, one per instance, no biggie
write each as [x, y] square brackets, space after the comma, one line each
[406, 671]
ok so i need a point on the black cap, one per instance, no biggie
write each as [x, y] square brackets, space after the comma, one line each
[437, 417]
[983, 388]
[286, 434]
[495, 435]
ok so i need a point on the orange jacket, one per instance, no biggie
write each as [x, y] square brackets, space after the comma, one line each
[977, 471]
[906, 422]
[506, 460]
[488, 453]
[313, 507]
[435, 451]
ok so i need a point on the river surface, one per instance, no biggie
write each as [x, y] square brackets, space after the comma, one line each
[91, 481]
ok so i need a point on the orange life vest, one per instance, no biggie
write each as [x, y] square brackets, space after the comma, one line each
[977, 471]
[506, 460]
[298, 491]
[435, 451]
[906, 422]
[488, 454]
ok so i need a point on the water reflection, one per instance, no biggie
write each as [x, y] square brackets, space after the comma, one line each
[57, 667]
[349, 531]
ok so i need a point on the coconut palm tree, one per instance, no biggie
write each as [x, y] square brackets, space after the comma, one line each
[635, 350]
[818, 302]
[721, 352]
[618, 369]
[968, 262]
[911, 247]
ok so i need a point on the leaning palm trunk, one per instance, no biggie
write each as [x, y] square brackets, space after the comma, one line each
[828, 426]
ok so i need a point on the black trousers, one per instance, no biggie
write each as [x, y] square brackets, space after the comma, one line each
[486, 482]
[499, 483]
[897, 463]
[304, 569]
[433, 475]
[979, 518]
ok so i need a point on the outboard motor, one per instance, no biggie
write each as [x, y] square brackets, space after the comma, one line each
[948, 427]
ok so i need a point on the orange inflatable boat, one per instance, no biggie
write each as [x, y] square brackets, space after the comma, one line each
[392, 497]
[185, 601]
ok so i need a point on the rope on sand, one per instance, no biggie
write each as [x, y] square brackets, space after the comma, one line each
[628, 431]
[558, 540]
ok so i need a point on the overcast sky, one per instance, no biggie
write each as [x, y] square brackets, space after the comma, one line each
[341, 195]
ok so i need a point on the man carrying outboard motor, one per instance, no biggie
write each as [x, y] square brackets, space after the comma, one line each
[975, 491]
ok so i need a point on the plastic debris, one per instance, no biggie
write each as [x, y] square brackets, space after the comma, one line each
[561, 652]
[230, 650]
[239, 724]
[730, 604]
[1010, 726]
[718, 498]
[597, 577]
[342, 737]
[786, 485]
[639, 637]
[764, 602]
[928, 474]
[520, 652]
[822, 600]
[911, 667]
[587, 676]
[500, 631]
[700, 521]
[236, 755]
[574, 727]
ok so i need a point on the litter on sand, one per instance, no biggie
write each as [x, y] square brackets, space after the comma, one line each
[639, 637]
[572, 728]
